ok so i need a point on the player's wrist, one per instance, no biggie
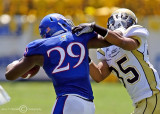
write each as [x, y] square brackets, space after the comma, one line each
[100, 30]
[93, 25]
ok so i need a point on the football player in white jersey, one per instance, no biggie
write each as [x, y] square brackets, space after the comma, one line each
[128, 59]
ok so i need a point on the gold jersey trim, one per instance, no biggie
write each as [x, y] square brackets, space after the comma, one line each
[134, 26]
[139, 40]
[101, 51]
[149, 73]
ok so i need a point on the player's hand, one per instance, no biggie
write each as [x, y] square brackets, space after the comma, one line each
[121, 30]
[83, 28]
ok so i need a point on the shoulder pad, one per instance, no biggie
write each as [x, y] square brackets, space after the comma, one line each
[135, 26]
[35, 43]
[34, 47]
[136, 30]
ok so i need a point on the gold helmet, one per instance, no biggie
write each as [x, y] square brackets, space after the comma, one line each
[121, 18]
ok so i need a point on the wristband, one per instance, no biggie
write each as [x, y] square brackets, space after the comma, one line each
[100, 30]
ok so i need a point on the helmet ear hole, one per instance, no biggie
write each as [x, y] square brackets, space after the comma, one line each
[64, 25]
[51, 19]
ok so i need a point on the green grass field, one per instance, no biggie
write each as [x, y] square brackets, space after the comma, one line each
[39, 97]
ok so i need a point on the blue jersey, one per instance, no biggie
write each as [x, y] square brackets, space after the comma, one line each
[65, 62]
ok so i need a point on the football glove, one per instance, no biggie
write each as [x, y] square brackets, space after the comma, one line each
[83, 28]
[90, 27]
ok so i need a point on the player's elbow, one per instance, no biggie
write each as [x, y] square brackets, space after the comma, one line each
[10, 79]
[97, 79]
[9, 76]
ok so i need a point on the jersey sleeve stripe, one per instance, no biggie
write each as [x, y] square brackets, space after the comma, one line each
[101, 51]
[156, 99]
[139, 40]
[133, 27]
[150, 76]
[151, 108]
[158, 104]
[145, 106]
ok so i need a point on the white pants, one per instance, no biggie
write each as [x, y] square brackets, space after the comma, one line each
[71, 104]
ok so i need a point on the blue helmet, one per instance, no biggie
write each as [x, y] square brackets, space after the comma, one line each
[54, 24]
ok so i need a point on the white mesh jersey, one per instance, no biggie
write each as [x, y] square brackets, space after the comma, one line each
[133, 67]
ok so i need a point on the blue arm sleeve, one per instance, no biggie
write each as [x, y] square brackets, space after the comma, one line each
[89, 36]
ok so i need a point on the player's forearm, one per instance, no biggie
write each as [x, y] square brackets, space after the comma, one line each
[10, 75]
[123, 42]
[97, 43]
[17, 68]
[112, 37]
[116, 38]
[99, 72]
[95, 73]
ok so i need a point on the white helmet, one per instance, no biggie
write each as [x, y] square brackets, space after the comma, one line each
[121, 18]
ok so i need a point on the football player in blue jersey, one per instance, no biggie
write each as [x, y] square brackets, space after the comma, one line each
[64, 57]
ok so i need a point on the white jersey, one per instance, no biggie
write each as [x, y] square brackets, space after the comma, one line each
[133, 67]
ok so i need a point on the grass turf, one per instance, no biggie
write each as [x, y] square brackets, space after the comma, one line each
[39, 98]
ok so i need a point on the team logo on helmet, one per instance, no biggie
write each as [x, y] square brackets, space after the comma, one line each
[63, 38]
[48, 30]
